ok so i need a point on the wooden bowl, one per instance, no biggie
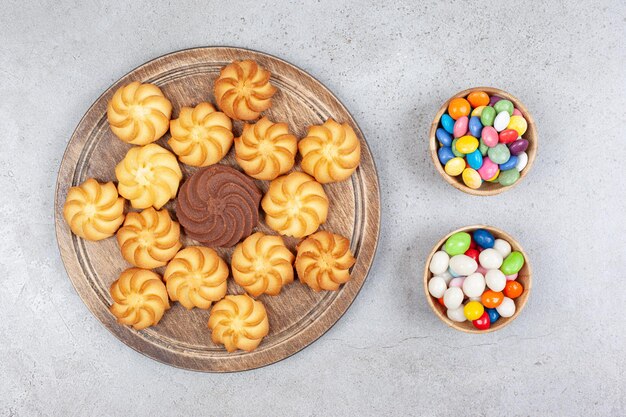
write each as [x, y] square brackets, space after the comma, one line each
[487, 188]
[524, 277]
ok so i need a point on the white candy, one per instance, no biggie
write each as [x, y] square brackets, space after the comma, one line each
[490, 259]
[439, 263]
[503, 247]
[463, 265]
[446, 276]
[474, 285]
[437, 286]
[456, 314]
[453, 297]
[495, 279]
[501, 121]
[507, 308]
[522, 161]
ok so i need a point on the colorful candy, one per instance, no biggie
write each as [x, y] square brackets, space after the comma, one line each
[457, 244]
[459, 107]
[483, 322]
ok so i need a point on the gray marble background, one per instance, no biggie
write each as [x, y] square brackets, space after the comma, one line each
[392, 63]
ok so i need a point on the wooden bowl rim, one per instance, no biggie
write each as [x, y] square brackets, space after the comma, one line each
[520, 302]
[458, 183]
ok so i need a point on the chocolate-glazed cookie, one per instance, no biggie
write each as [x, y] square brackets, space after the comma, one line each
[218, 206]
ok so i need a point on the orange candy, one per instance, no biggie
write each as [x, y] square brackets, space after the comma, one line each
[492, 299]
[513, 289]
[459, 107]
[478, 98]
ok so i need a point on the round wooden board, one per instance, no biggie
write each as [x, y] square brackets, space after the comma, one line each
[298, 316]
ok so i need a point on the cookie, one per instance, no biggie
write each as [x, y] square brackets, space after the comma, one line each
[266, 150]
[148, 176]
[243, 90]
[324, 260]
[330, 152]
[196, 277]
[139, 298]
[218, 206]
[262, 264]
[149, 239]
[201, 136]
[295, 205]
[238, 322]
[139, 113]
[93, 211]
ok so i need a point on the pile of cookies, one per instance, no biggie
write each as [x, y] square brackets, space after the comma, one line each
[217, 206]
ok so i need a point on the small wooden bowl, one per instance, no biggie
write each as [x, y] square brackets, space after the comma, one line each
[524, 277]
[486, 188]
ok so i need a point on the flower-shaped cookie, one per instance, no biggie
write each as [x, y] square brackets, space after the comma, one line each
[201, 135]
[148, 176]
[94, 211]
[330, 152]
[295, 205]
[139, 113]
[262, 264]
[149, 239]
[196, 277]
[266, 150]
[243, 90]
[238, 322]
[139, 298]
[323, 261]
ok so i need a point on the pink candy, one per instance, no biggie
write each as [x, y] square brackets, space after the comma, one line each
[489, 136]
[488, 170]
[511, 277]
[456, 282]
[460, 127]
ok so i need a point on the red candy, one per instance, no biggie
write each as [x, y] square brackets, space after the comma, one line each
[473, 253]
[483, 322]
[508, 136]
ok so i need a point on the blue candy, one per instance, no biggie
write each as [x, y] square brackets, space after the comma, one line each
[475, 126]
[443, 137]
[475, 159]
[448, 123]
[493, 314]
[445, 154]
[483, 238]
[510, 164]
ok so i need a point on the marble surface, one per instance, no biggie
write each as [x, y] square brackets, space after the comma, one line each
[392, 64]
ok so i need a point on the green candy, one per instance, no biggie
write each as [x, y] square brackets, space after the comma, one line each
[499, 154]
[482, 147]
[487, 116]
[512, 263]
[457, 244]
[508, 177]
[454, 151]
[504, 105]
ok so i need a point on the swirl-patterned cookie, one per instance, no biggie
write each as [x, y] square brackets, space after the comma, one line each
[324, 260]
[139, 298]
[266, 150]
[149, 239]
[243, 90]
[262, 264]
[148, 176]
[330, 152]
[238, 322]
[218, 206]
[295, 205]
[196, 277]
[201, 135]
[139, 113]
[93, 211]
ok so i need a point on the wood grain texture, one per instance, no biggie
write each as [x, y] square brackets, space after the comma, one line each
[298, 316]
[524, 277]
[486, 188]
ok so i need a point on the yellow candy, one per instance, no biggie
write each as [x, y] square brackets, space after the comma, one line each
[519, 124]
[477, 111]
[495, 177]
[455, 166]
[471, 178]
[473, 310]
[467, 144]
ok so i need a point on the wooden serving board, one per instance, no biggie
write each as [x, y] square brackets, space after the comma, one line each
[298, 316]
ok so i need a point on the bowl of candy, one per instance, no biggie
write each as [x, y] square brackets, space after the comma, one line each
[483, 141]
[477, 279]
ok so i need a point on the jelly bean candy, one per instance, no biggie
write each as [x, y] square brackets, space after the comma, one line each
[522, 161]
[477, 111]
[512, 263]
[507, 136]
[493, 314]
[506, 308]
[483, 322]
[510, 164]
[504, 105]
[475, 127]
[454, 166]
[437, 286]
[478, 98]
[456, 314]
[439, 262]
[458, 107]
[472, 253]
[475, 159]
[488, 170]
[447, 123]
[483, 238]
[467, 144]
[474, 285]
[495, 279]
[471, 178]
[453, 297]
[493, 100]
[495, 177]
[443, 137]
[489, 136]
[455, 151]
[463, 264]
[490, 299]
[513, 289]
[457, 244]
[518, 146]
[501, 121]
[508, 177]
[503, 247]
[460, 127]
[518, 123]
[487, 116]
[473, 310]
[499, 154]
[445, 154]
